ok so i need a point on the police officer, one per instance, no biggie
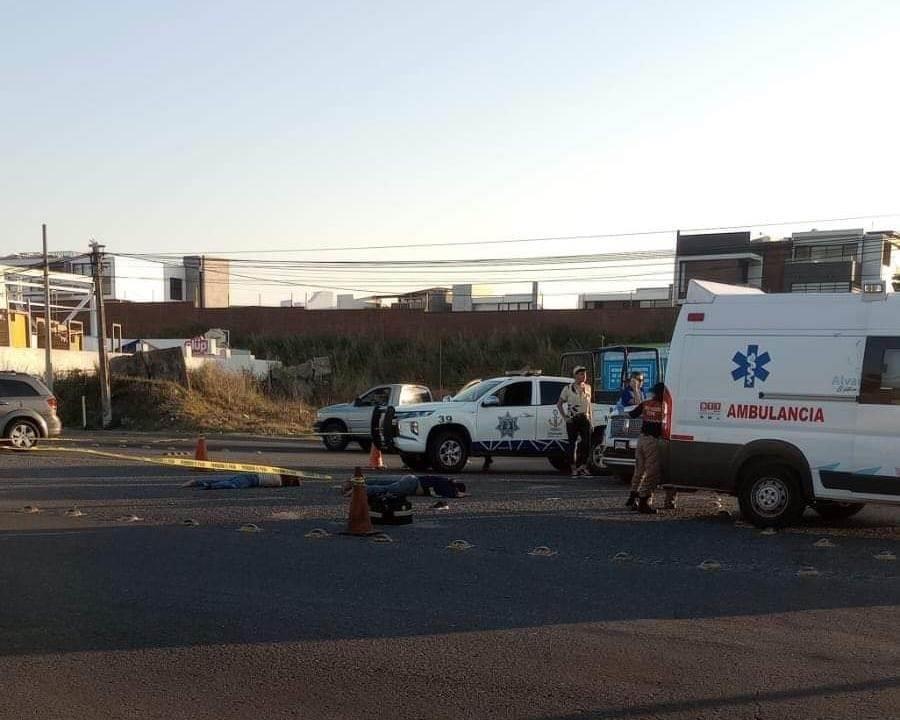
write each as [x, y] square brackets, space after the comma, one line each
[576, 397]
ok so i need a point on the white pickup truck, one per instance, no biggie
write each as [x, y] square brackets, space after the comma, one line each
[513, 415]
[345, 422]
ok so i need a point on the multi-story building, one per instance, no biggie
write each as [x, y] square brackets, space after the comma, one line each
[815, 261]
[203, 281]
[841, 260]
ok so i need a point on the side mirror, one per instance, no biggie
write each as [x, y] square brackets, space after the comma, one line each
[491, 401]
[357, 402]
[447, 398]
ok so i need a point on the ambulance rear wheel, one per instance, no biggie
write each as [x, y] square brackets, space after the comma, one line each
[770, 495]
[836, 510]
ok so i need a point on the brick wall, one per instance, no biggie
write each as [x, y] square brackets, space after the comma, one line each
[776, 255]
[730, 272]
[183, 319]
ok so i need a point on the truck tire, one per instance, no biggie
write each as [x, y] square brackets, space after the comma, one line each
[836, 510]
[333, 437]
[22, 434]
[595, 459]
[448, 452]
[561, 463]
[770, 495]
[415, 461]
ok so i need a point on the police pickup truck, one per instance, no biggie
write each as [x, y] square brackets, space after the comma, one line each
[511, 415]
[345, 422]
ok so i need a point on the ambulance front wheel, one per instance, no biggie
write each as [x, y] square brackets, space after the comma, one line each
[770, 495]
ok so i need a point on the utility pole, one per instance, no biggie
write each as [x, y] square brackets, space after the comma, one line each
[48, 341]
[103, 371]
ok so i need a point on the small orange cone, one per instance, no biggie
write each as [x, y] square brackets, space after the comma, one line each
[200, 452]
[376, 459]
[358, 521]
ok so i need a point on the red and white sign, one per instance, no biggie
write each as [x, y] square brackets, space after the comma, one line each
[710, 410]
[791, 413]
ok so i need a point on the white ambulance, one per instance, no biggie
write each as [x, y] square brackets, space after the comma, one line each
[787, 401]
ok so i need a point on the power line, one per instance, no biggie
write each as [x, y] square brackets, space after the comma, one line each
[594, 236]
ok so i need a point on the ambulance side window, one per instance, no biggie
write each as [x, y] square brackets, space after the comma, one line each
[881, 372]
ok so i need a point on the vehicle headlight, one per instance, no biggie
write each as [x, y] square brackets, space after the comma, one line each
[414, 427]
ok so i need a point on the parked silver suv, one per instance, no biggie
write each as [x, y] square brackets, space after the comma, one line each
[27, 410]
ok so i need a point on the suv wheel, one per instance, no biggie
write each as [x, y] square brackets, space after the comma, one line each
[23, 434]
[449, 452]
[770, 495]
[333, 436]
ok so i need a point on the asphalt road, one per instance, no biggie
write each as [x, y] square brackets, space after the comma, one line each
[104, 616]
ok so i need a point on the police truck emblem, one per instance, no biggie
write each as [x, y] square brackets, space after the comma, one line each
[508, 425]
[555, 420]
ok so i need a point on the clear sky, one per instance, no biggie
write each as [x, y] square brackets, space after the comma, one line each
[220, 126]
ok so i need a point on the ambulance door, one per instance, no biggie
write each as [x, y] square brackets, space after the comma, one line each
[875, 473]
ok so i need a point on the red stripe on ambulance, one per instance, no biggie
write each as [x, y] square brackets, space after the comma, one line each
[791, 413]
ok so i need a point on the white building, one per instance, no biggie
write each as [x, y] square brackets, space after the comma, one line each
[642, 297]
[468, 298]
[322, 300]
[135, 279]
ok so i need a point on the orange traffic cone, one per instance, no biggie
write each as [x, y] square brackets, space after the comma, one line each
[200, 452]
[358, 521]
[376, 459]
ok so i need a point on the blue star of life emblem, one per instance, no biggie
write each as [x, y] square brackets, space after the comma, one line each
[508, 425]
[751, 366]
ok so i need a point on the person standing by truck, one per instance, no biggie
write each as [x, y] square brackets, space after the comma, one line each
[633, 393]
[648, 468]
[574, 404]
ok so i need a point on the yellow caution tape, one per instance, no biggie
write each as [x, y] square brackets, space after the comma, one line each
[184, 462]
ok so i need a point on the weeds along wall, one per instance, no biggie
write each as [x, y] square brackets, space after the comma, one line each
[442, 350]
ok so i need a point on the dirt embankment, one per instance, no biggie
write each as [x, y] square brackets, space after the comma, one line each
[216, 401]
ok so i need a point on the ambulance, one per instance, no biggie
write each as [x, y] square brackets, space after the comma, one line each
[787, 401]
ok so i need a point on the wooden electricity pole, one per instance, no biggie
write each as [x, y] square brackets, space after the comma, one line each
[103, 370]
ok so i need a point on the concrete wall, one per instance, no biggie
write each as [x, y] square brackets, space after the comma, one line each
[31, 360]
[235, 363]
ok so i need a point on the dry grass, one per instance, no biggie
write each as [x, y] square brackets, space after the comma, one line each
[217, 401]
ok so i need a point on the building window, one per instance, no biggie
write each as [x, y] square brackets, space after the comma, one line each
[176, 289]
[826, 287]
[818, 253]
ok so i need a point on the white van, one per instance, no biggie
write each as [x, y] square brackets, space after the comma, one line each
[786, 401]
